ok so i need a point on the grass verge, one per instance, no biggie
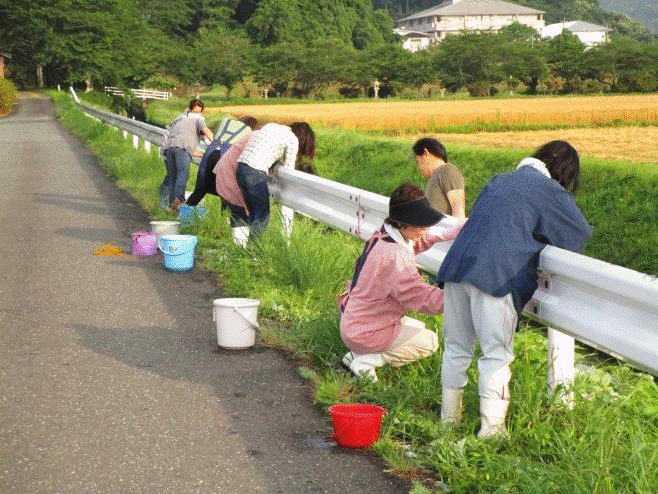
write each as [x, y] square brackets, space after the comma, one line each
[606, 443]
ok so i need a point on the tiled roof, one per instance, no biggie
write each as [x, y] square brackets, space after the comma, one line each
[475, 7]
[577, 26]
[412, 34]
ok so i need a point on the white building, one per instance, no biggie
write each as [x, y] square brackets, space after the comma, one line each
[589, 34]
[413, 40]
[457, 16]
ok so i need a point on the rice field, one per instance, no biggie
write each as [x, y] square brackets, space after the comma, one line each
[392, 115]
[631, 143]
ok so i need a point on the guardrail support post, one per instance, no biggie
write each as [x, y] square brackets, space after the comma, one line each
[561, 354]
[287, 215]
[147, 146]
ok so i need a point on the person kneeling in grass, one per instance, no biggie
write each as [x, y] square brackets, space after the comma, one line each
[387, 284]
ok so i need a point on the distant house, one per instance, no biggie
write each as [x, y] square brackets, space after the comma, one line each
[458, 16]
[413, 40]
[589, 34]
[3, 56]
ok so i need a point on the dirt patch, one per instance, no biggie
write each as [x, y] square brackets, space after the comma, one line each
[636, 144]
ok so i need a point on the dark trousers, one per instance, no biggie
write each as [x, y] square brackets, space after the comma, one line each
[205, 179]
[256, 193]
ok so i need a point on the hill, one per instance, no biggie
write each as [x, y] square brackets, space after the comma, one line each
[646, 12]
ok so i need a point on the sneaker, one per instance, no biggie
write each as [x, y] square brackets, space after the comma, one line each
[364, 365]
[347, 359]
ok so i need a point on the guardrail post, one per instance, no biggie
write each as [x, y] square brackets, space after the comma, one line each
[561, 354]
[287, 215]
[135, 140]
[147, 146]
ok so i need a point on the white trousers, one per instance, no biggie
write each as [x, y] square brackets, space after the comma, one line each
[414, 342]
[472, 316]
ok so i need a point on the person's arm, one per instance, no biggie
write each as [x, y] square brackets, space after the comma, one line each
[208, 133]
[563, 225]
[457, 200]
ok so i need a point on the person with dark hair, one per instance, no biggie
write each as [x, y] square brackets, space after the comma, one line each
[180, 139]
[445, 185]
[490, 273]
[271, 146]
[386, 284]
[228, 132]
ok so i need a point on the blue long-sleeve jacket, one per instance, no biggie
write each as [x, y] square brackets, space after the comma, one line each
[515, 216]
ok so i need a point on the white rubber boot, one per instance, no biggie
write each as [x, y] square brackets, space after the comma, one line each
[451, 405]
[492, 414]
[240, 235]
[364, 364]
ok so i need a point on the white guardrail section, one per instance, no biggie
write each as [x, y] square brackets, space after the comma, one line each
[140, 93]
[608, 307]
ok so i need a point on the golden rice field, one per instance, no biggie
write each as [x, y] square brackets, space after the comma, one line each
[421, 115]
[638, 144]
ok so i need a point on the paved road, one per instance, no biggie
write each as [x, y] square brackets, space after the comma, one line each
[111, 380]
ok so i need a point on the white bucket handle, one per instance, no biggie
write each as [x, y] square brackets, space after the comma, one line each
[252, 323]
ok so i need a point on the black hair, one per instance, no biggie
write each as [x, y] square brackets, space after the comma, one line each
[306, 138]
[432, 145]
[562, 162]
[251, 122]
[195, 102]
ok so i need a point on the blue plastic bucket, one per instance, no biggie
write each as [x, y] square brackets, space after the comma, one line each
[178, 251]
[190, 215]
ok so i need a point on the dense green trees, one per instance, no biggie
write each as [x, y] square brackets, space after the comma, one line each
[298, 48]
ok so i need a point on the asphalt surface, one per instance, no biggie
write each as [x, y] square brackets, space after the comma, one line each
[111, 379]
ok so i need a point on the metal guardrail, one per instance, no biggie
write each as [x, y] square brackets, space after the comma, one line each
[608, 307]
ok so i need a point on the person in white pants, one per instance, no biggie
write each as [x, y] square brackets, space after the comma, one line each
[490, 273]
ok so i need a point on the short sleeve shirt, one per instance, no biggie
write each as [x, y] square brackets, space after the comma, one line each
[272, 145]
[443, 180]
[185, 132]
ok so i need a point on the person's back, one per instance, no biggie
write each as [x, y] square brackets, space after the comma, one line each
[186, 131]
[229, 131]
[445, 179]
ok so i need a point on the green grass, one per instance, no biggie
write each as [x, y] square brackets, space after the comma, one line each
[607, 443]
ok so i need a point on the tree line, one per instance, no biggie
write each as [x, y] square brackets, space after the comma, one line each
[298, 48]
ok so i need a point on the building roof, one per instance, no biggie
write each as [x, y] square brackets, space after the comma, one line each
[475, 7]
[574, 27]
[411, 34]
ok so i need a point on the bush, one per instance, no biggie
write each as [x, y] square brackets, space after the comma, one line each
[8, 95]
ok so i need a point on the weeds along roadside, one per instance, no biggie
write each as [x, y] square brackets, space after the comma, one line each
[607, 443]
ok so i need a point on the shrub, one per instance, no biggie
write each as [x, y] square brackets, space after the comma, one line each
[8, 96]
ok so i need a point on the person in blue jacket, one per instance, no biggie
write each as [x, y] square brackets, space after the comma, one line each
[490, 273]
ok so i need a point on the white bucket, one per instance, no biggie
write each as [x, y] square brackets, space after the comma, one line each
[161, 228]
[237, 321]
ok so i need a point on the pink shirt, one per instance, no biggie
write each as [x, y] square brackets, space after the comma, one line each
[226, 183]
[388, 286]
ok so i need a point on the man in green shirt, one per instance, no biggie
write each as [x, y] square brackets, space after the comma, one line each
[445, 184]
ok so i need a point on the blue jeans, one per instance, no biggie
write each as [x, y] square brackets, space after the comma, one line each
[177, 164]
[256, 193]
[239, 216]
